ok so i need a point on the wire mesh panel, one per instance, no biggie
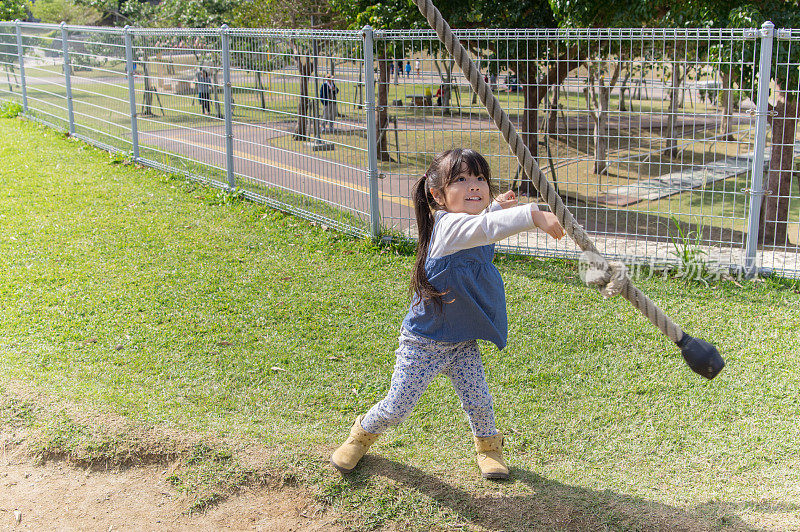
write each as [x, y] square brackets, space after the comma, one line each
[11, 82]
[780, 198]
[663, 143]
[179, 104]
[44, 74]
[99, 86]
[299, 134]
[644, 133]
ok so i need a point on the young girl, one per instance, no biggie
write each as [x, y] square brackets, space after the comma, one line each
[457, 298]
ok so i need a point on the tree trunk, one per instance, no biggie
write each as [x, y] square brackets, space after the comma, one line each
[260, 89]
[623, 88]
[529, 129]
[445, 78]
[552, 117]
[305, 67]
[10, 70]
[775, 205]
[674, 97]
[601, 130]
[479, 53]
[358, 97]
[727, 106]
[215, 92]
[381, 113]
[535, 91]
[598, 109]
[457, 92]
[147, 98]
[446, 95]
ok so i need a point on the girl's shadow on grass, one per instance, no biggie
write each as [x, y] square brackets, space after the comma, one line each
[552, 505]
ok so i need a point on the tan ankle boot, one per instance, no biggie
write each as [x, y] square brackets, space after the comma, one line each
[346, 457]
[490, 457]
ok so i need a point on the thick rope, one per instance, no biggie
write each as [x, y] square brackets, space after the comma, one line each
[610, 280]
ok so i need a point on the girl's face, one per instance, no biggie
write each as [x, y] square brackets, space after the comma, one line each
[468, 193]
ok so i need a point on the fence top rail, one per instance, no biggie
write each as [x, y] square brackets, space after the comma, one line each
[84, 29]
[580, 33]
[788, 34]
[331, 35]
[665, 34]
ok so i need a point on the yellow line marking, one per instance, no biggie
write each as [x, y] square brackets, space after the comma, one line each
[311, 175]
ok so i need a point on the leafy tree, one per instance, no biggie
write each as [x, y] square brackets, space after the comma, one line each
[283, 14]
[10, 10]
[140, 13]
[56, 11]
[13, 10]
[390, 14]
[316, 14]
[786, 92]
[785, 78]
[515, 54]
[603, 57]
[537, 69]
[196, 13]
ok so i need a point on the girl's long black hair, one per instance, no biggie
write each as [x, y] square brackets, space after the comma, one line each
[444, 169]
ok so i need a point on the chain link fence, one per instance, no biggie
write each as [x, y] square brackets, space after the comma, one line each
[670, 146]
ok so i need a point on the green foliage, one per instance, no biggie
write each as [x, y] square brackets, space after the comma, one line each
[511, 14]
[12, 10]
[196, 13]
[733, 14]
[397, 14]
[689, 252]
[122, 12]
[597, 14]
[56, 11]
[282, 14]
[9, 109]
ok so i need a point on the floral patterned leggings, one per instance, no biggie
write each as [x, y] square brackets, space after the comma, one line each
[418, 361]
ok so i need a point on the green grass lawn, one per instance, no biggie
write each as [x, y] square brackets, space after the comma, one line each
[132, 294]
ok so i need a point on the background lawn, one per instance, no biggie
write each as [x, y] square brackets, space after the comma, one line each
[141, 296]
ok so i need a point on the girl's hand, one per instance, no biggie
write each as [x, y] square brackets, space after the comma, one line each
[548, 222]
[507, 199]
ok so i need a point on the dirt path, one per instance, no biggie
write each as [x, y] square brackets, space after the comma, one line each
[57, 496]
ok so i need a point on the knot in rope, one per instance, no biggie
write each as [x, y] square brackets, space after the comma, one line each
[610, 277]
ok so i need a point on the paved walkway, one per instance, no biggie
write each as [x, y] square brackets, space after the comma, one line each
[684, 179]
[616, 232]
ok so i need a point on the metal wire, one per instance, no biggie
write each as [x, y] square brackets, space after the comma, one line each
[648, 134]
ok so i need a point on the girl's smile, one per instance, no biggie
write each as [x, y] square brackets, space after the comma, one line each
[468, 193]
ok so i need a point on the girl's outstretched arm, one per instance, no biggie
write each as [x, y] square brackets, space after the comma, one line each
[456, 231]
[545, 221]
[548, 222]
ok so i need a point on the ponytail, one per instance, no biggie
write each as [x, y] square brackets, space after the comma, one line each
[421, 288]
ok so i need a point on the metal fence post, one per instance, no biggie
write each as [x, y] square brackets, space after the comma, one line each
[67, 82]
[21, 55]
[372, 140]
[131, 92]
[756, 186]
[226, 79]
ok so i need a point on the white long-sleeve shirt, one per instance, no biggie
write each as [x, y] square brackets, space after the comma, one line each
[453, 232]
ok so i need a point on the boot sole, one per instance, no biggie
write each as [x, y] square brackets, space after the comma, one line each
[341, 469]
[495, 476]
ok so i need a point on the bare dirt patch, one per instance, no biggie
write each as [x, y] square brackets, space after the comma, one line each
[59, 496]
[64, 468]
